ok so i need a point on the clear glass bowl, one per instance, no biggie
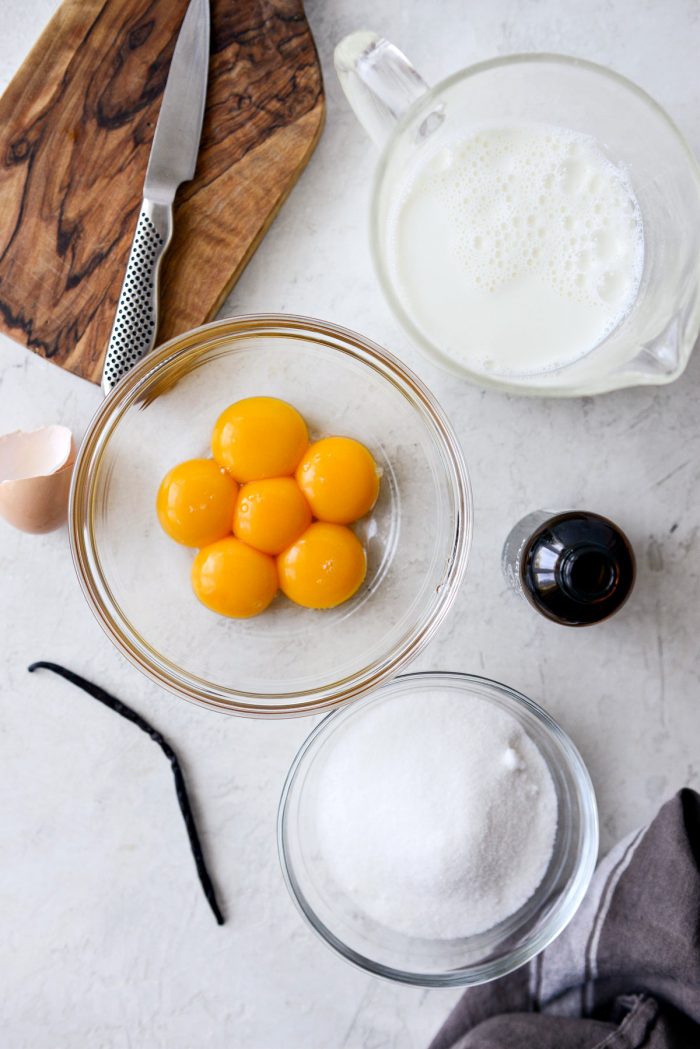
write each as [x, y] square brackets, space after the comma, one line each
[289, 660]
[334, 915]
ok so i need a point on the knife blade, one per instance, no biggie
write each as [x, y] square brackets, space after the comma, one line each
[172, 160]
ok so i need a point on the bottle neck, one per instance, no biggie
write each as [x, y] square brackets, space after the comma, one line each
[587, 573]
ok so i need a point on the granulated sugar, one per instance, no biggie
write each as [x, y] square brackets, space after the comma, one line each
[437, 814]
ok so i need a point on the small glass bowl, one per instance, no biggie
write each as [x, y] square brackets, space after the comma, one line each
[289, 660]
[335, 916]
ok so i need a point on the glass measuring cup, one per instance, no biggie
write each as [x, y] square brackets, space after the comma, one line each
[653, 341]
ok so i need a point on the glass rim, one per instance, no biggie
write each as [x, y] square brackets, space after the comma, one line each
[428, 348]
[561, 912]
[161, 363]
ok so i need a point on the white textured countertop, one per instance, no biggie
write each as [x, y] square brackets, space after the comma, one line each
[106, 939]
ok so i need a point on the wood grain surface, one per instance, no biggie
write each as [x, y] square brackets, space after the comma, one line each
[76, 125]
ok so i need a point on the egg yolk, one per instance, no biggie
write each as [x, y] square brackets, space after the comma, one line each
[339, 478]
[271, 514]
[233, 579]
[259, 437]
[324, 567]
[195, 502]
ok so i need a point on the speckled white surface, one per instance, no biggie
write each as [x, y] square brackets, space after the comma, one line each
[106, 940]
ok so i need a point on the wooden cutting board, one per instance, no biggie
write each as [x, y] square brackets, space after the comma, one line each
[76, 125]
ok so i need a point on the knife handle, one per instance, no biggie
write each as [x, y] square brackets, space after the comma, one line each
[136, 321]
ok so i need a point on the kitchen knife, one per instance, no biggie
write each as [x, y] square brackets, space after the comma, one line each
[173, 160]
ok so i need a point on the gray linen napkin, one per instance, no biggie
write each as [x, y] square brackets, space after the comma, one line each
[625, 974]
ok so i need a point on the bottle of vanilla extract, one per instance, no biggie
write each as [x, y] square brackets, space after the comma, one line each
[574, 567]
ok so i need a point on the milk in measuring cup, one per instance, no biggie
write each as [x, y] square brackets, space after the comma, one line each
[518, 249]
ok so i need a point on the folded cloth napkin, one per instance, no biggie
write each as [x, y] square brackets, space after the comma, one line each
[625, 974]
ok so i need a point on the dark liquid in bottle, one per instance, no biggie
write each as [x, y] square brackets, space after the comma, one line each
[577, 568]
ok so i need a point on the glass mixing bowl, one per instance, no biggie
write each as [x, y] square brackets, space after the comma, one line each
[289, 660]
[336, 916]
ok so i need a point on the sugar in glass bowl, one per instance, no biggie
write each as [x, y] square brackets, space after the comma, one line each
[288, 660]
[347, 919]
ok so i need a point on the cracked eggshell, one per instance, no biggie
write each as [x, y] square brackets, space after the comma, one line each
[35, 473]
